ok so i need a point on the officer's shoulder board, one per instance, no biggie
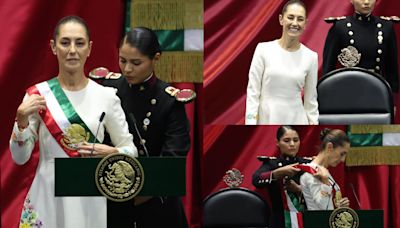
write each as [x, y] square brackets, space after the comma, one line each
[394, 19]
[103, 73]
[334, 19]
[265, 158]
[184, 95]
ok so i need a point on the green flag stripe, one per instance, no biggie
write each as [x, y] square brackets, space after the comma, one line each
[360, 140]
[66, 106]
[171, 40]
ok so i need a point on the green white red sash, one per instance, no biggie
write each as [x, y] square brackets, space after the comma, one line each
[59, 113]
[292, 210]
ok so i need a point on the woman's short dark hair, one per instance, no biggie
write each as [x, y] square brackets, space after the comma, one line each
[71, 18]
[143, 39]
[335, 136]
[282, 130]
[291, 2]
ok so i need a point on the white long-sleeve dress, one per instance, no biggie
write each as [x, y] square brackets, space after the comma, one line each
[317, 195]
[276, 80]
[41, 207]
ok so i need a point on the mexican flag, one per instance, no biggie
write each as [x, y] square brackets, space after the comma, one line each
[179, 27]
[374, 145]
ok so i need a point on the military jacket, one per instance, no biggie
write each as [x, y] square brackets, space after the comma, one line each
[373, 37]
[160, 118]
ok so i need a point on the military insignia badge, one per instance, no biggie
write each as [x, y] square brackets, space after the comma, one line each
[344, 217]
[73, 136]
[119, 177]
[103, 73]
[184, 95]
[349, 56]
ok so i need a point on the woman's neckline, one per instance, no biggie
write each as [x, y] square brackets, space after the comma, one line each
[288, 50]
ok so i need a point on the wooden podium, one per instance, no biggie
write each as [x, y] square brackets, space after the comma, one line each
[320, 219]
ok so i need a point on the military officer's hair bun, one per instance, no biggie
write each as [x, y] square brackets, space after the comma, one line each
[335, 136]
[143, 39]
[291, 2]
[282, 130]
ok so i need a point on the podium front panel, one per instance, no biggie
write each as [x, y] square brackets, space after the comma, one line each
[163, 176]
[320, 219]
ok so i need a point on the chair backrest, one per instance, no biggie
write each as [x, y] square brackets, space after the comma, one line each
[354, 96]
[235, 207]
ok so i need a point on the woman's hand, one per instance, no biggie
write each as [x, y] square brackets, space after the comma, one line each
[100, 150]
[33, 104]
[344, 202]
[322, 174]
[292, 186]
[285, 171]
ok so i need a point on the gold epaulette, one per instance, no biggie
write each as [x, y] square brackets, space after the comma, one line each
[103, 73]
[333, 19]
[394, 19]
[184, 95]
[265, 158]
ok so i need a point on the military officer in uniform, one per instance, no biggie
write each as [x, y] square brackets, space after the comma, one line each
[279, 174]
[157, 119]
[363, 40]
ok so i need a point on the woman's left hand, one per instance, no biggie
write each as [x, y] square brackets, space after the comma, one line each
[100, 150]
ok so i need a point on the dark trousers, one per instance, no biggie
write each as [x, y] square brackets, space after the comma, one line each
[153, 213]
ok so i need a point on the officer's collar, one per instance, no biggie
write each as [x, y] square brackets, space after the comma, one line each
[361, 17]
[149, 82]
[288, 159]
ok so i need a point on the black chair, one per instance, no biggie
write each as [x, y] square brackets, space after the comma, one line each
[235, 207]
[354, 96]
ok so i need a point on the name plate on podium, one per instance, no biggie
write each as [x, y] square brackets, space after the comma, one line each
[164, 176]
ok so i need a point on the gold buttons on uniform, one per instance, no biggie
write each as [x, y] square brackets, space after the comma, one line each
[153, 101]
[352, 41]
[143, 141]
[379, 51]
[377, 68]
[379, 25]
[380, 33]
[378, 60]
[350, 33]
[348, 24]
[148, 114]
[380, 39]
[141, 152]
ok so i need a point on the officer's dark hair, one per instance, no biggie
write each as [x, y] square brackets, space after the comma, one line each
[282, 130]
[71, 18]
[291, 2]
[335, 136]
[143, 39]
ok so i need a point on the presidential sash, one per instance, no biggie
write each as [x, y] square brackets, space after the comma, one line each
[291, 205]
[60, 117]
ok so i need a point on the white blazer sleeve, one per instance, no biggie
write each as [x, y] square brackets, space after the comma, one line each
[310, 92]
[117, 127]
[316, 194]
[22, 143]
[256, 72]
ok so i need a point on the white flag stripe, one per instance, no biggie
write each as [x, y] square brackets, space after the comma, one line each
[53, 105]
[293, 219]
[194, 40]
[391, 139]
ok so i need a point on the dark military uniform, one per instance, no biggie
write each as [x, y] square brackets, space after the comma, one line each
[164, 128]
[262, 179]
[373, 37]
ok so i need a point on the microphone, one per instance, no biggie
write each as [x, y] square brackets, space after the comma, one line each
[97, 132]
[133, 120]
[355, 195]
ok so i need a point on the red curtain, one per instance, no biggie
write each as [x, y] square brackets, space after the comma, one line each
[26, 58]
[232, 30]
[227, 147]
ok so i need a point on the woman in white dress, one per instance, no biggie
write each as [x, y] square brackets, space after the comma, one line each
[61, 116]
[279, 71]
[320, 190]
